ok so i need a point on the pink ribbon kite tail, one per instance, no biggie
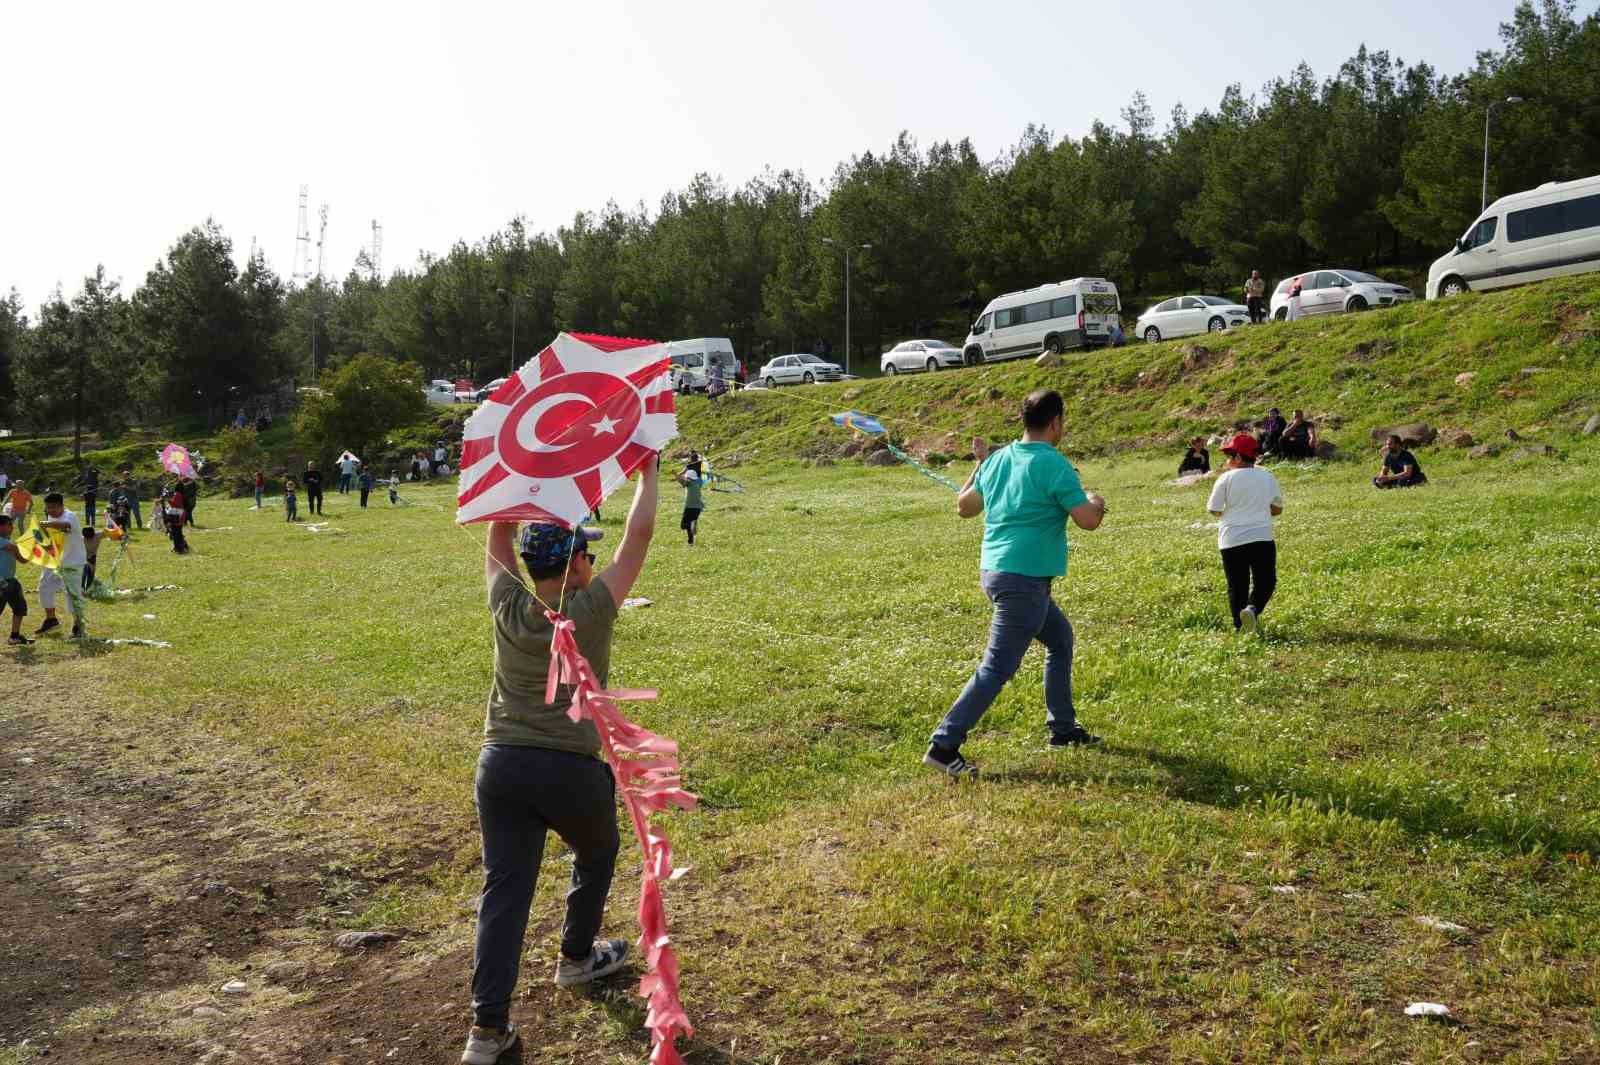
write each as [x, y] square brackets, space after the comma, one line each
[647, 772]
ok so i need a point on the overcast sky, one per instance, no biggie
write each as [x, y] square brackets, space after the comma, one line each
[129, 123]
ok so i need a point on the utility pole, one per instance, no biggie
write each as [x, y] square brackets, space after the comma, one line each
[847, 250]
[1487, 114]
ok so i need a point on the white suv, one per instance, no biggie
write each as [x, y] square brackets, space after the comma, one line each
[1333, 291]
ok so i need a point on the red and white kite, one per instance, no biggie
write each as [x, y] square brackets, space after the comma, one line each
[565, 430]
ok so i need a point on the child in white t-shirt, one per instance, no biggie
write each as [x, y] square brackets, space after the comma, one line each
[1246, 498]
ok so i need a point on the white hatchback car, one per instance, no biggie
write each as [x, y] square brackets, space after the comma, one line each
[912, 355]
[1184, 316]
[1333, 291]
[798, 369]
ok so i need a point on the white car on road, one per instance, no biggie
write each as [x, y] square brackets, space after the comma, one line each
[1184, 316]
[909, 356]
[799, 369]
[1334, 291]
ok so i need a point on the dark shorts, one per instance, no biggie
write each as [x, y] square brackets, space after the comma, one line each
[11, 595]
[690, 516]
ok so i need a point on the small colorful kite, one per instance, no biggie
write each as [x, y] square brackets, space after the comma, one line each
[565, 430]
[865, 423]
[40, 546]
[176, 461]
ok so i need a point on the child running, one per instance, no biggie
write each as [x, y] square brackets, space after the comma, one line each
[1246, 498]
[693, 501]
[172, 516]
[11, 588]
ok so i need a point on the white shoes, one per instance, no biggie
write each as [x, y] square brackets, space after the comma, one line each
[1247, 619]
[485, 1045]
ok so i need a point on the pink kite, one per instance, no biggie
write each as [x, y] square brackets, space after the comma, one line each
[565, 430]
[175, 460]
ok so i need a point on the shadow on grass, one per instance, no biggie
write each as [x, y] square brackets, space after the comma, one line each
[1212, 782]
[1415, 644]
[1197, 778]
[617, 996]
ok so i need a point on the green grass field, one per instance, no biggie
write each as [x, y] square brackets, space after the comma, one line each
[1239, 875]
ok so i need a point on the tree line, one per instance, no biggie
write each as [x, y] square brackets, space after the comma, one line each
[1378, 164]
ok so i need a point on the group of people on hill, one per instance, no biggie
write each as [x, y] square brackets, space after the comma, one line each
[1296, 439]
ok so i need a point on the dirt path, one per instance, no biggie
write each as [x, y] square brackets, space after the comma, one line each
[141, 873]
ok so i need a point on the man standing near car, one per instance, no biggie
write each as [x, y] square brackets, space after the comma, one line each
[1255, 291]
[1026, 492]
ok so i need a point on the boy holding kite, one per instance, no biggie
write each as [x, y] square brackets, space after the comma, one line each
[67, 578]
[539, 770]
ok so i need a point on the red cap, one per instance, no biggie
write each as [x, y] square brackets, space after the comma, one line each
[1244, 444]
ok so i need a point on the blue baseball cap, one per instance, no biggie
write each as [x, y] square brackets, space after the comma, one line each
[546, 544]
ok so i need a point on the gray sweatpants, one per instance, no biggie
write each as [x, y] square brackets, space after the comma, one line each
[522, 793]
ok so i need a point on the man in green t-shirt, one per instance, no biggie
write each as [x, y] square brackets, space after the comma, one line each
[1026, 492]
[539, 770]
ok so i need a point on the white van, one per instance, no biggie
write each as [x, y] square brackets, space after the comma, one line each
[692, 361]
[1059, 317]
[1550, 231]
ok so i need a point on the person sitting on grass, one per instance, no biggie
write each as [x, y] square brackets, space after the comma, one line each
[291, 499]
[693, 501]
[11, 594]
[1271, 432]
[539, 770]
[1246, 498]
[1026, 491]
[1195, 460]
[1299, 439]
[1400, 466]
[67, 578]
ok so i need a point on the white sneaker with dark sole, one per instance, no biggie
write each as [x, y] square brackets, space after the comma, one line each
[1247, 619]
[485, 1045]
[606, 957]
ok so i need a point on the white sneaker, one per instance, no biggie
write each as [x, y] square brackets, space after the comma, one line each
[1247, 619]
[605, 958]
[485, 1045]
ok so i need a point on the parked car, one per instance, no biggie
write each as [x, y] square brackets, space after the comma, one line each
[797, 369]
[1550, 231]
[440, 393]
[909, 356]
[1055, 317]
[1184, 316]
[1333, 291]
[466, 391]
[489, 389]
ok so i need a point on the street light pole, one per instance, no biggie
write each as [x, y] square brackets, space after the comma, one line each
[514, 297]
[847, 249]
[1488, 114]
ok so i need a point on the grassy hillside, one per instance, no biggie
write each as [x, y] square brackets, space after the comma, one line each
[1354, 373]
[1285, 840]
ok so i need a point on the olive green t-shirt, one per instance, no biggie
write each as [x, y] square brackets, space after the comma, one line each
[518, 714]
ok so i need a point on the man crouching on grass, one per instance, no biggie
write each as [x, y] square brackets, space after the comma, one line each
[1026, 492]
[539, 770]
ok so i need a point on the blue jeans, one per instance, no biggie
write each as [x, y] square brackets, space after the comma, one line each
[258, 499]
[524, 793]
[1023, 612]
[133, 507]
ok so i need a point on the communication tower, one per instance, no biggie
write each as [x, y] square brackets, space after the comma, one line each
[322, 232]
[302, 244]
[375, 254]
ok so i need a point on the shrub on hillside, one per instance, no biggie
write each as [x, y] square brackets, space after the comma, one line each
[239, 455]
[361, 403]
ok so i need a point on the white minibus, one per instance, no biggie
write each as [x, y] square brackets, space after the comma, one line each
[692, 361]
[1550, 231]
[1059, 317]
